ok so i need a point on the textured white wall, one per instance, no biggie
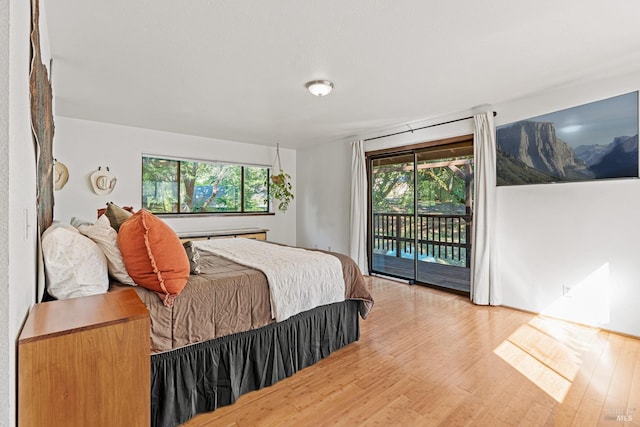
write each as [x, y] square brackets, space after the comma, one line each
[324, 196]
[17, 187]
[84, 145]
[580, 235]
[6, 378]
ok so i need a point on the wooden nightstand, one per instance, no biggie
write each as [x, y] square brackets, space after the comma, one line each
[85, 362]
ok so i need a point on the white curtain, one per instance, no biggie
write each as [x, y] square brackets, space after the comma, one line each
[485, 286]
[358, 238]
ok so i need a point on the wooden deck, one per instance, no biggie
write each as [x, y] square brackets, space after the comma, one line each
[430, 273]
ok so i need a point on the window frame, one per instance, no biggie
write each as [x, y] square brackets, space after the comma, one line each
[241, 189]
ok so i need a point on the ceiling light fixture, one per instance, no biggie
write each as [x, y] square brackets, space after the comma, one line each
[319, 87]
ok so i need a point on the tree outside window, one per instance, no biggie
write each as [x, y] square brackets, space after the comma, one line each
[189, 186]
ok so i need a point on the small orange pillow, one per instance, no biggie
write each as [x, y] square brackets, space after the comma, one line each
[153, 255]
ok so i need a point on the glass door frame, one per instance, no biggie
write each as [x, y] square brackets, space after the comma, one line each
[404, 150]
[370, 228]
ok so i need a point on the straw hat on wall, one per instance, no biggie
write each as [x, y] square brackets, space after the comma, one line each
[102, 181]
[60, 175]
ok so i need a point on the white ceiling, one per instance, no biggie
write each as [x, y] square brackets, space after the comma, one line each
[236, 69]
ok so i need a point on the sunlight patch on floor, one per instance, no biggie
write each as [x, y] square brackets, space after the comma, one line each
[552, 383]
[548, 353]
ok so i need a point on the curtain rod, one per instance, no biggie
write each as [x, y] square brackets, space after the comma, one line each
[423, 127]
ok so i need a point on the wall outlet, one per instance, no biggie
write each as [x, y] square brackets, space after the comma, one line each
[566, 291]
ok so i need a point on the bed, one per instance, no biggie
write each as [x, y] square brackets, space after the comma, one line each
[219, 339]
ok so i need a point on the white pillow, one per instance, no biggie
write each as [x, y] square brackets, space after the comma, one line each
[62, 224]
[107, 238]
[77, 222]
[75, 266]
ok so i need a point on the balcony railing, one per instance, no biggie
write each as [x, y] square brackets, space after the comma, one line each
[441, 238]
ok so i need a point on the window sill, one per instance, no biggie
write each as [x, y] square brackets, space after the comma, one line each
[212, 214]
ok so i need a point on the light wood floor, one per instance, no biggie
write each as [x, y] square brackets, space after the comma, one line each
[426, 358]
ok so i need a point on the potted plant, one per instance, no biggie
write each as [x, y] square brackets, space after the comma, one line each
[281, 189]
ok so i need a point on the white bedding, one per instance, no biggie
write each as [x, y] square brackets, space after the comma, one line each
[299, 279]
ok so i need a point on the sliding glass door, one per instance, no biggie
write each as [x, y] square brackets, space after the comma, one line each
[421, 213]
[392, 215]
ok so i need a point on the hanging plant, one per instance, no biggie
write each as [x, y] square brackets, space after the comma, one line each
[281, 188]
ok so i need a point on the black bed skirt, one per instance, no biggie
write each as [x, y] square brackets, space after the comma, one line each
[205, 376]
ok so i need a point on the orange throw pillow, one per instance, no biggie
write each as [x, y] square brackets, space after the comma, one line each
[153, 255]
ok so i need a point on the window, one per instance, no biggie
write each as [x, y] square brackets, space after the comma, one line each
[185, 186]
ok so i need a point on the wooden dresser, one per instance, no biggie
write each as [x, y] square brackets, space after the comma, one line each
[85, 362]
[248, 233]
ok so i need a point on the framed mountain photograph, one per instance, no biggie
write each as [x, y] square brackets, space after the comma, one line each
[598, 140]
